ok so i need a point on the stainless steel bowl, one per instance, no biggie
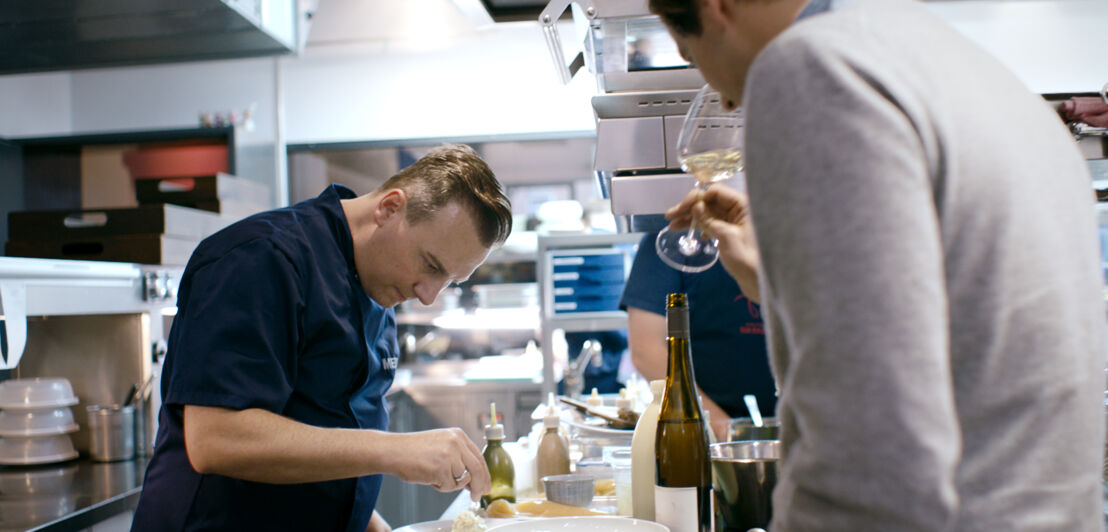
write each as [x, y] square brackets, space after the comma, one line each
[574, 489]
[744, 474]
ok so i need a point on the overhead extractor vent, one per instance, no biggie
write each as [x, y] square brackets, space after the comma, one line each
[72, 34]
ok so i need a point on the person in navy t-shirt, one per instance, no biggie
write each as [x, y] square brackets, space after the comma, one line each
[728, 339]
[284, 344]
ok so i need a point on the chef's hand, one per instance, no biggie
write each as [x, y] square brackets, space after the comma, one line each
[444, 458]
[721, 212]
[378, 524]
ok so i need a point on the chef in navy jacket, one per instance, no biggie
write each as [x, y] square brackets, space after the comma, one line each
[284, 344]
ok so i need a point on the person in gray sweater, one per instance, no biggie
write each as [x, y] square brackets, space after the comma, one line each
[929, 269]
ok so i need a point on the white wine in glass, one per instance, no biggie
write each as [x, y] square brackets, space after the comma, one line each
[710, 148]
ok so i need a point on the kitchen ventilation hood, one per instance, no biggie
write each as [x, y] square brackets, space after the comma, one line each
[72, 34]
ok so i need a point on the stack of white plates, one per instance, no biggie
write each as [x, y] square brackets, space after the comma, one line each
[35, 421]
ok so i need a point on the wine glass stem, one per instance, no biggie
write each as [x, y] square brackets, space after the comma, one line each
[700, 188]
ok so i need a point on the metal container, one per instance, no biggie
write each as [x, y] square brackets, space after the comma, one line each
[743, 428]
[744, 474]
[111, 432]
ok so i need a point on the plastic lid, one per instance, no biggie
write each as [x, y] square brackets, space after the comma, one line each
[594, 399]
[494, 430]
[551, 419]
[624, 401]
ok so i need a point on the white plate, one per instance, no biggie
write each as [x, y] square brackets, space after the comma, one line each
[429, 526]
[446, 524]
[582, 524]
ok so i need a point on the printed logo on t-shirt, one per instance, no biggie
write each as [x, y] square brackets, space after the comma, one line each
[391, 362]
[751, 327]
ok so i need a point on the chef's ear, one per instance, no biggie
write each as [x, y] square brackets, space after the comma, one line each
[391, 206]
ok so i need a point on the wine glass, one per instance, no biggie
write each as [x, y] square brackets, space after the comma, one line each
[710, 148]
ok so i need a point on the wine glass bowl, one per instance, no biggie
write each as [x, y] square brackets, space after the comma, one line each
[710, 149]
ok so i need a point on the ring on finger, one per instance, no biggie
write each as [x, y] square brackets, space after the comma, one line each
[458, 479]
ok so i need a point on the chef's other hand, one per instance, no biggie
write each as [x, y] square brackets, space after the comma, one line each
[721, 212]
[444, 458]
[378, 524]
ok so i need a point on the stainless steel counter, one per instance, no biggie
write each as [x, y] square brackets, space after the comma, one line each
[69, 496]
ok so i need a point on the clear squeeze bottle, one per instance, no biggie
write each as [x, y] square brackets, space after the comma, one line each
[553, 453]
[642, 455]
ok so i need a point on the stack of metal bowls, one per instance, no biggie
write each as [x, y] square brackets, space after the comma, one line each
[744, 473]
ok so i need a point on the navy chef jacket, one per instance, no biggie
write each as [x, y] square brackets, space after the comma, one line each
[271, 315]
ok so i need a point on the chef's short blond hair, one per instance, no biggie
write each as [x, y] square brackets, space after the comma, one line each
[454, 172]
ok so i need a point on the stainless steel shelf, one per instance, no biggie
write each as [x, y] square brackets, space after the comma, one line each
[41, 287]
[589, 321]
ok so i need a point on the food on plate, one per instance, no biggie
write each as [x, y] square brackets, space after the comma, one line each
[467, 521]
[604, 486]
[500, 508]
[542, 508]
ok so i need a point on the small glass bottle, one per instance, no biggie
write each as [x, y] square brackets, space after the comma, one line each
[499, 462]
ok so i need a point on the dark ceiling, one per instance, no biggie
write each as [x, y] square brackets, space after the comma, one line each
[513, 10]
[40, 35]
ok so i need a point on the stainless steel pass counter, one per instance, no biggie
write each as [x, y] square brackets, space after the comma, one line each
[68, 496]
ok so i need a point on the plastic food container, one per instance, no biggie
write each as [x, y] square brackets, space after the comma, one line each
[36, 422]
[36, 450]
[22, 394]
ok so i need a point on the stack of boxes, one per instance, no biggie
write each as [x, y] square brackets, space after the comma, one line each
[183, 197]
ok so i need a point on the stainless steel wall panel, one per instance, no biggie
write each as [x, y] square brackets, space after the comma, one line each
[630, 144]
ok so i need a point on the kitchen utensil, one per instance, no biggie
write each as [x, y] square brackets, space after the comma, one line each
[131, 393]
[743, 428]
[752, 405]
[612, 420]
[36, 422]
[36, 393]
[111, 433]
[574, 489]
[744, 475]
[36, 450]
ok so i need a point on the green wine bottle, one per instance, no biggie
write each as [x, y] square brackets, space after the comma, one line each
[683, 468]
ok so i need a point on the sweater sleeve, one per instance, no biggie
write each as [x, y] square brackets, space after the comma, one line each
[842, 201]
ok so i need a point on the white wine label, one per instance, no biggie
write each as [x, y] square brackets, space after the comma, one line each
[676, 508]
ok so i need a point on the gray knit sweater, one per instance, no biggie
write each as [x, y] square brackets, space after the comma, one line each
[931, 284]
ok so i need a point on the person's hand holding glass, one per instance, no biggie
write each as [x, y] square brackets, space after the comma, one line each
[710, 148]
